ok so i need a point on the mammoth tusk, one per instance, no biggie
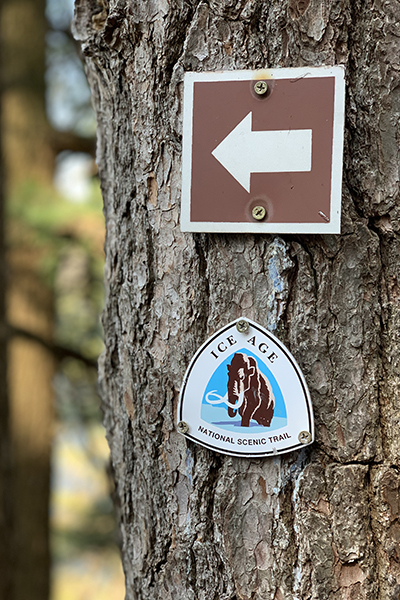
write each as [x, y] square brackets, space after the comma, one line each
[220, 399]
[224, 399]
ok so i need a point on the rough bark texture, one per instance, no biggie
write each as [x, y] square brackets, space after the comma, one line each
[318, 524]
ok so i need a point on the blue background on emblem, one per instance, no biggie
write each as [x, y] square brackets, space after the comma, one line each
[217, 414]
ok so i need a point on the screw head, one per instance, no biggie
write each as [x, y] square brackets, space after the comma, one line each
[183, 427]
[261, 88]
[258, 213]
[304, 437]
[242, 326]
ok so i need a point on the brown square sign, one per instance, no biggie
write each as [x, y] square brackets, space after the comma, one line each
[263, 151]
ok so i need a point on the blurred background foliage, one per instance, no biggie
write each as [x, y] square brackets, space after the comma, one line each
[55, 489]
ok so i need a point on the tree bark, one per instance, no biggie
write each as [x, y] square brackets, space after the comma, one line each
[322, 523]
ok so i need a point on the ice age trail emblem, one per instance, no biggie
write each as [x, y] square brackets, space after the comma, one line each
[242, 392]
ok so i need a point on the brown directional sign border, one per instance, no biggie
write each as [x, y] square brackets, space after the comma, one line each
[294, 201]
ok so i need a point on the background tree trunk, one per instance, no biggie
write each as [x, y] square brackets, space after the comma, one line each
[6, 529]
[28, 163]
[318, 524]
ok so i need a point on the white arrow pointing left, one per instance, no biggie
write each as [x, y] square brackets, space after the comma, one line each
[244, 151]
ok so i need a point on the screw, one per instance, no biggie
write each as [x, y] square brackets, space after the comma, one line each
[258, 213]
[183, 427]
[304, 437]
[242, 326]
[261, 88]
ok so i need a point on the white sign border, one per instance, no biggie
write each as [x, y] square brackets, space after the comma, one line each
[297, 445]
[333, 226]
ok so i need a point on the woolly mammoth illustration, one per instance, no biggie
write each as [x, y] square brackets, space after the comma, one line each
[249, 391]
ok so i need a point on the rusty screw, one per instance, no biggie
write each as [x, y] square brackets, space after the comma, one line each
[261, 88]
[183, 427]
[304, 437]
[258, 213]
[242, 326]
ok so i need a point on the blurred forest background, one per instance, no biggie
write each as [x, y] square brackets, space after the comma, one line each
[57, 527]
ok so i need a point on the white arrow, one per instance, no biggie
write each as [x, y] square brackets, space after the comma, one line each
[244, 151]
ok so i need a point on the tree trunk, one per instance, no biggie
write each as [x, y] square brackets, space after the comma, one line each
[6, 484]
[322, 523]
[28, 163]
